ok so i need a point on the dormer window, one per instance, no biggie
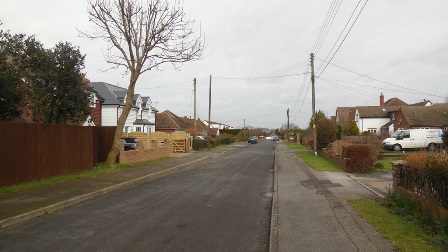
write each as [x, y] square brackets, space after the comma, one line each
[393, 117]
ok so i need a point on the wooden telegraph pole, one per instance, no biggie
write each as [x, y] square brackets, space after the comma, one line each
[209, 112]
[287, 126]
[244, 130]
[194, 132]
[314, 106]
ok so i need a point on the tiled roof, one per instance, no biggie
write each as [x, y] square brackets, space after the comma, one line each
[107, 92]
[168, 120]
[422, 103]
[376, 111]
[426, 115]
[113, 95]
[142, 122]
[395, 102]
[372, 112]
[345, 114]
[189, 123]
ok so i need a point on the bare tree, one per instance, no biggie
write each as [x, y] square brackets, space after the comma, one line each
[142, 35]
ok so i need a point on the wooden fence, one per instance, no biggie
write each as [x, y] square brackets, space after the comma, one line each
[362, 139]
[178, 141]
[31, 151]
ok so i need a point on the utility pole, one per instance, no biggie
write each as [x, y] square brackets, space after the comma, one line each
[287, 126]
[314, 106]
[194, 132]
[244, 130]
[209, 112]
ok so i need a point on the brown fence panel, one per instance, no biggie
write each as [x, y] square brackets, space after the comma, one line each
[32, 151]
[103, 138]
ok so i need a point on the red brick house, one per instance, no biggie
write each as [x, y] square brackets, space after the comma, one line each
[168, 122]
[422, 117]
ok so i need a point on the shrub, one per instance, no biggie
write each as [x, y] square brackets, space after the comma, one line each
[310, 143]
[427, 161]
[199, 144]
[360, 158]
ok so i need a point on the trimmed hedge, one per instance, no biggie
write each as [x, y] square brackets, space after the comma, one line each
[358, 158]
[202, 144]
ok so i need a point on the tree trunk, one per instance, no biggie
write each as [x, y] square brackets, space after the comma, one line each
[115, 150]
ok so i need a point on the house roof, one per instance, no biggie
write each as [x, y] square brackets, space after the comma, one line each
[112, 95]
[372, 112]
[107, 92]
[376, 111]
[168, 120]
[189, 123]
[395, 102]
[345, 115]
[440, 104]
[142, 122]
[426, 115]
[422, 103]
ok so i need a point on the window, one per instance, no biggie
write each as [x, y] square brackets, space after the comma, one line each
[372, 131]
[405, 134]
[138, 129]
[393, 116]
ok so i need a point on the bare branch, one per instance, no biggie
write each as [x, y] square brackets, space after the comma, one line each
[142, 35]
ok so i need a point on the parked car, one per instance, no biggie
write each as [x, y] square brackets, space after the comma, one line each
[253, 140]
[275, 138]
[130, 143]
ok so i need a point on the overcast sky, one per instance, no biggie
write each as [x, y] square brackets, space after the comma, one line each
[258, 55]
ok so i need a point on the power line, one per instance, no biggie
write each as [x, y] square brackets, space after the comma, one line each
[331, 14]
[327, 27]
[344, 38]
[342, 32]
[257, 78]
[388, 83]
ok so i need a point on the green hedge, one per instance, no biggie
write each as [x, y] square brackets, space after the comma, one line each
[233, 132]
[202, 144]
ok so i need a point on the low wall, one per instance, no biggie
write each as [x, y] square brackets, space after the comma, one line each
[337, 160]
[137, 156]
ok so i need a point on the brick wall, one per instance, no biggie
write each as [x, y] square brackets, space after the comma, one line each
[337, 160]
[143, 155]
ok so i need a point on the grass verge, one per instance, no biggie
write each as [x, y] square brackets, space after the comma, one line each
[407, 235]
[386, 165]
[319, 163]
[292, 145]
[97, 171]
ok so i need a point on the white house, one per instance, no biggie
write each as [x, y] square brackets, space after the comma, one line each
[374, 119]
[217, 125]
[141, 116]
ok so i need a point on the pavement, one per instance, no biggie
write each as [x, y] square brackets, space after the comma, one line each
[324, 221]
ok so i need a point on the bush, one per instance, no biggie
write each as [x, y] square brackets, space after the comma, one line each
[360, 158]
[199, 144]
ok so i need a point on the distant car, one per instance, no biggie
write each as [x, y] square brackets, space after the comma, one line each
[275, 138]
[200, 137]
[253, 140]
[130, 143]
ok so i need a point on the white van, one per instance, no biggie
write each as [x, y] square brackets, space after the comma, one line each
[414, 139]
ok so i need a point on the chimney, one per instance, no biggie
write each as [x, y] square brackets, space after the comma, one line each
[381, 100]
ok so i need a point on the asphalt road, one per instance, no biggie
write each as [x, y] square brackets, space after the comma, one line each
[222, 204]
